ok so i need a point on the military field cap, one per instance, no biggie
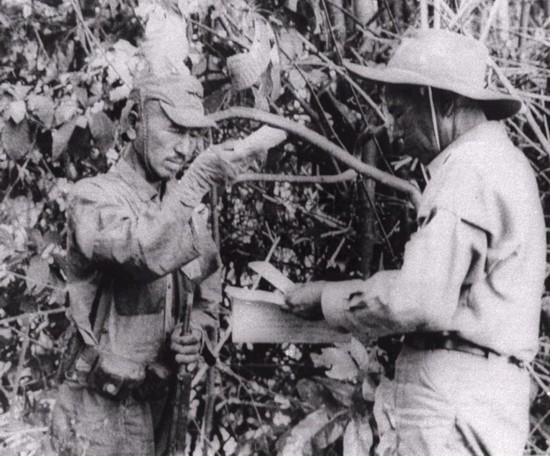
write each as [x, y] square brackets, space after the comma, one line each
[443, 60]
[180, 98]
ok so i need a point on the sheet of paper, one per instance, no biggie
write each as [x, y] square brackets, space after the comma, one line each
[244, 294]
[262, 323]
[272, 275]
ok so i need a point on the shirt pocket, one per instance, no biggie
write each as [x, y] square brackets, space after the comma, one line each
[132, 297]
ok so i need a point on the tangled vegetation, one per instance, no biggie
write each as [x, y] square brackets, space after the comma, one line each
[65, 74]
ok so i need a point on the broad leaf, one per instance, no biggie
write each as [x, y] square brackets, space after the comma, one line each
[384, 414]
[246, 68]
[6, 335]
[17, 111]
[122, 63]
[358, 437]
[37, 274]
[6, 236]
[298, 441]
[311, 392]
[339, 361]
[43, 107]
[331, 432]
[60, 139]
[16, 139]
[65, 111]
[22, 212]
[342, 392]
[81, 94]
[359, 354]
[165, 46]
[119, 93]
[102, 130]
[291, 46]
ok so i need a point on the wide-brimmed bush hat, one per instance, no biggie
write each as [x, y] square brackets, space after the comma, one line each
[180, 97]
[443, 60]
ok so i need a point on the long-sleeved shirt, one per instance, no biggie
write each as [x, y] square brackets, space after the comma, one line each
[125, 239]
[476, 265]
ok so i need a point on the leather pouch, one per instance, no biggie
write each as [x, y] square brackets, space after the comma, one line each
[115, 376]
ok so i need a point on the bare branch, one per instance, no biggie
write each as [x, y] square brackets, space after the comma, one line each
[348, 175]
[323, 143]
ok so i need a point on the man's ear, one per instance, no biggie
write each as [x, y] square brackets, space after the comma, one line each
[448, 104]
[130, 118]
[449, 107]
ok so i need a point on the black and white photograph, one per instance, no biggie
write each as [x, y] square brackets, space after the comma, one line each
[274, 228]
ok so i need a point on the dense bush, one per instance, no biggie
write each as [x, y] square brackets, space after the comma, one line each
[65, 73]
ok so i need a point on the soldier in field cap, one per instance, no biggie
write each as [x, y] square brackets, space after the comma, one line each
[137, 236]
[467, 297]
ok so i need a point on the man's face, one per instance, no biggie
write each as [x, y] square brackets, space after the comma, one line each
[170, 146]
[412, 124]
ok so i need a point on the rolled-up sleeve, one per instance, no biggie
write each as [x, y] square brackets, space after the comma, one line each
[154, 239]
[151, 242]
[423, 294]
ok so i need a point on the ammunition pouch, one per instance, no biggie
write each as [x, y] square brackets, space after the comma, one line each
[116, 377]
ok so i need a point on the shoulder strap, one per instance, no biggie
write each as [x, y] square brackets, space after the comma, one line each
[98, 315]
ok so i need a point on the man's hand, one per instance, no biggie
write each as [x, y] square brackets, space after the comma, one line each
[186, 348]
[304, 300]
[254, 146]
[239, 152]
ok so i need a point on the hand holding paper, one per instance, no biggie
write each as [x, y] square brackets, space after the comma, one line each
[261, 316]
[272, 275]
[304, 300]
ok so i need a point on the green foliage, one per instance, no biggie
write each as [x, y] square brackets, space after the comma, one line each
[65, 74]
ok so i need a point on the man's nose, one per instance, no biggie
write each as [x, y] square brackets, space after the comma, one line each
[395, 131]
[183, 145]
[395, 134]
[181, 148]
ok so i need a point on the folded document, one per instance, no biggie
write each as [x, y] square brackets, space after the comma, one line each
[260, 316]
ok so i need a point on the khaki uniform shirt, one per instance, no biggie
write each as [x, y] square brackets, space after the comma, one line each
[476, 265]
[124, 240]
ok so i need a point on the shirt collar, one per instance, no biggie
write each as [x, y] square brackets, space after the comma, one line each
[438, 161]
[493, 129]
[145, 190]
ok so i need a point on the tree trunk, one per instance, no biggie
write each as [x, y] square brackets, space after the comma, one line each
[367, 237]
[338, 19]
[524, 23]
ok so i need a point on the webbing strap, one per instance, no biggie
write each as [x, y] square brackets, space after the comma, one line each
[100, 307]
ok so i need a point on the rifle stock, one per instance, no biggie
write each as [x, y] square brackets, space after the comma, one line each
[182, 394]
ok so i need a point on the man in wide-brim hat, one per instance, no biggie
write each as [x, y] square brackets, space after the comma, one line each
[467, 297]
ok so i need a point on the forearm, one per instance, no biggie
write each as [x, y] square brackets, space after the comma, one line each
[362, 306]
[423, 294]
[208, 169]
[152, 239]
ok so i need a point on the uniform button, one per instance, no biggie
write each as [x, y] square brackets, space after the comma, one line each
[109, 388]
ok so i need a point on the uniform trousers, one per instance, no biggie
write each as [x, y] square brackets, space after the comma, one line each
[87, 423]
[451, 403]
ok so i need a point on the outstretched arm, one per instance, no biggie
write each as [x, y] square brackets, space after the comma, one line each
[422, 295]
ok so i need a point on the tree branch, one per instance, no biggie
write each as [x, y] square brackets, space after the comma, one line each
[348, 175]
[322, 143]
